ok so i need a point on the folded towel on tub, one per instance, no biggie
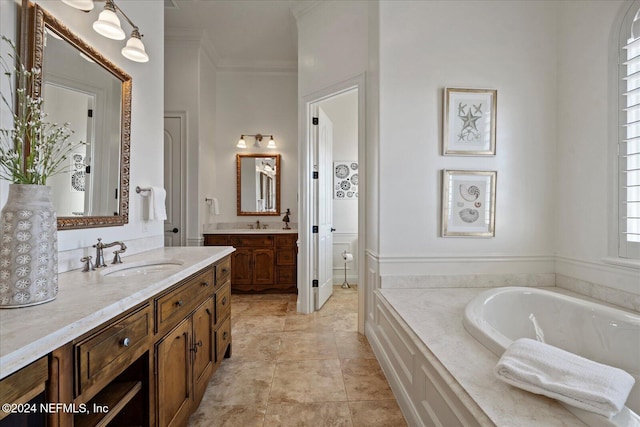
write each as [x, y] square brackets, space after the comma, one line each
[543, 369]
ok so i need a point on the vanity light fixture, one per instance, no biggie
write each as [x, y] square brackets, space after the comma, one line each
[258, 139]
[108, 25]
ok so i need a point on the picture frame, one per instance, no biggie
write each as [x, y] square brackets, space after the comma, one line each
[469, 127]
[468, 203]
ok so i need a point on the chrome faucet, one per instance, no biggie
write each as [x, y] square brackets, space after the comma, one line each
[100, 252]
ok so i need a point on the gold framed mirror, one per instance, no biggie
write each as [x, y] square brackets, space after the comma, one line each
[81, 86]
[258, 190]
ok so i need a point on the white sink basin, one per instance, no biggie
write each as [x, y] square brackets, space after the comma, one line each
[142, 267]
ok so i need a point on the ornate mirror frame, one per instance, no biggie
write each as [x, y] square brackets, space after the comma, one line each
[239, 158]
[34, 52]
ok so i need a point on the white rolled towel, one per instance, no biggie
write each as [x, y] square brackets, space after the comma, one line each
[544, 369]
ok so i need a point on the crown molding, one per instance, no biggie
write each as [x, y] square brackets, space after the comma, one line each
[181, 35]
[301, 9]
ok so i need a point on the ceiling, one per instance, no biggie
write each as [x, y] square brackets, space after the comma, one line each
[253, 34]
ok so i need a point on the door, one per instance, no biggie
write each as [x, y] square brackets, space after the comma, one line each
[263, 266]
[173, 179]
[324, 209]
[174, 376]
[203, 348]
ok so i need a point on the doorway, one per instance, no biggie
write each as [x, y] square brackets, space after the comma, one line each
[323, 193]
[174, 168]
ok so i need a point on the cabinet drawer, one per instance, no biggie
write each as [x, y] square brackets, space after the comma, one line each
[286, 240]
[252, 241]
[223, 302]
[215, 240]
[286, 256]
[223, 271]
[223, 338]
[171, 308]
[24, 385]
[104, 355]
[286, 275]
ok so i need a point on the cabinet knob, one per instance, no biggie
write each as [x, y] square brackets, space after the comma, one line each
[126, 342]
[224, 300]
[225, 335]
[204, 284]
[199, 343]
[179, 303]
[225, 270]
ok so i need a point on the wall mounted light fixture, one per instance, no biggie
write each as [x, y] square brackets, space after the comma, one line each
[258, 139]
[108, 25]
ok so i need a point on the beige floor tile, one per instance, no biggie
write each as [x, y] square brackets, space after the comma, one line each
[253, 347]
[228, 416]
[308, 322]
[308, 381]
[330, 414]
[240, 383]
[352, 345]
[381, 413]
[364, 380]
[256, 324]
[307, 346]
[263, 308]
[342, 322]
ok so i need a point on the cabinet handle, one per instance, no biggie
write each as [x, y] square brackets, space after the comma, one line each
[224, 270]
[126, 342]
[204, 284]
[196, 345]
[224, 300]
[225, 335]
[179, 303]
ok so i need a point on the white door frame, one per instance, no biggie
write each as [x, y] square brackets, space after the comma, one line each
[182, 115]
[305, 205]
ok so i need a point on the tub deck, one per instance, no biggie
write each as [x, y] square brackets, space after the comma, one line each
[435, 317]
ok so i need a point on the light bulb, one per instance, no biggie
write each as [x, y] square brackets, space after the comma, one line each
[272, 143]
[85, 5]
[241, 143]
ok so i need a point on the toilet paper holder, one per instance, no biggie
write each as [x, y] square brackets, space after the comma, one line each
[347, 257]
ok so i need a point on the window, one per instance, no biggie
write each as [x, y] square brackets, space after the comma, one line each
[629, 140]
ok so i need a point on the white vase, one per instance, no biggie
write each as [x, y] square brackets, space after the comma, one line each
[28, 247]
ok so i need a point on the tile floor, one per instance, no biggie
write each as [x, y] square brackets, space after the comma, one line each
[290, 369]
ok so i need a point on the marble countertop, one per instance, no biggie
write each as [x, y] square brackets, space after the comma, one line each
[435, 316]
[249, 231]
[86, 300]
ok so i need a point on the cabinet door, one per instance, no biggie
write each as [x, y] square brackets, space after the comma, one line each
[241, 263]
[203, 347]
[173, 358]
[263, 267]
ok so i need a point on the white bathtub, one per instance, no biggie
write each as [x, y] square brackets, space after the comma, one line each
[603, 334]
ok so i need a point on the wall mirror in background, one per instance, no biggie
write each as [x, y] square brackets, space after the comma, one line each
[258, 184]
[85, 89]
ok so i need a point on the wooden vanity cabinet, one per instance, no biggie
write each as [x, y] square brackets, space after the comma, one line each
[261, 262]
[189, 353]
[27, 386]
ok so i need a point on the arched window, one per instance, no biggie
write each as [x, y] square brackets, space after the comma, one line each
[629, 135]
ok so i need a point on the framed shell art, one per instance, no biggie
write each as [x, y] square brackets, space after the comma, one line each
[469, 122]
[345, 180]
[468, 203]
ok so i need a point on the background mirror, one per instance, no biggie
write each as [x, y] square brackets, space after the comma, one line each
[258, 184]
[81, 87]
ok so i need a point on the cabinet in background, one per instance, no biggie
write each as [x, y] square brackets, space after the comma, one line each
[262, 262]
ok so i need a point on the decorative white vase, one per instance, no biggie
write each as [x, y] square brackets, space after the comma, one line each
[28, 247]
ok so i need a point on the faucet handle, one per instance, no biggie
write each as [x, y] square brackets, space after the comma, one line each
[116, 256]
[87, 264]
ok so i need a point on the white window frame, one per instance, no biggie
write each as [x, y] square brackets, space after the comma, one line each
[627, 249]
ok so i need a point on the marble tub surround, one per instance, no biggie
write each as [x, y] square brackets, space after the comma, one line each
[86, 300]
[599, 292]
[434, 316]
[467, 281]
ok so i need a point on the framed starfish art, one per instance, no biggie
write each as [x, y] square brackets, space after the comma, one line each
[469, 122]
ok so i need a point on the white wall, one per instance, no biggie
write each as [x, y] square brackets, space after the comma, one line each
[585, 187]
[146, 121]
[424, 47]
[207, 153]
[252, 102]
